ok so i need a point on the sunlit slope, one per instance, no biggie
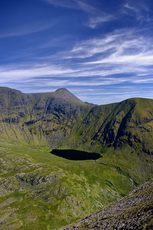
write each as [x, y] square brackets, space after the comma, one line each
[125, 124]
[40, 190]
[131, 212]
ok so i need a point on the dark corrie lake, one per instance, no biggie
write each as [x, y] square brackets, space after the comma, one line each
[72, 154]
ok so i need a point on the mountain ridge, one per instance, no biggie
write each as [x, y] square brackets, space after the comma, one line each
[63, 115]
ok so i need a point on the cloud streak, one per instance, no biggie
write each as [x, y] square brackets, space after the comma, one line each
[138, 10]
[96, 16]
[26, 30]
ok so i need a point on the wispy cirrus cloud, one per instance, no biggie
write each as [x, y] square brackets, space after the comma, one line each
[12, 73]
[117, 42]
[100, 84]
[117, 48]
[96, 16]
[93, 22]
[104, 60]
[137, 9]
[27, 30]
[74, 4]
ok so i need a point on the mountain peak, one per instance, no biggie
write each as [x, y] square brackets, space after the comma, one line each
[67, 95]
[61, 90]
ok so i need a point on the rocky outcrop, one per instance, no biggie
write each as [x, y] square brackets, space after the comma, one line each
[130, 213]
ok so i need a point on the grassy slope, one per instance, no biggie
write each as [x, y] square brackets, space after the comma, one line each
[42, 191]
[129, 122]
[132, 212]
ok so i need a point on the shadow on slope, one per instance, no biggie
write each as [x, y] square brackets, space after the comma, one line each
[72, 154]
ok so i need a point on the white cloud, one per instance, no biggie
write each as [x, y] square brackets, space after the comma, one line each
[137, 9]
[134, 60]
[118, 52]
[98, 20]
[14, 74]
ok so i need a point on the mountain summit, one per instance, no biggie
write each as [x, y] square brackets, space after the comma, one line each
[67, 95]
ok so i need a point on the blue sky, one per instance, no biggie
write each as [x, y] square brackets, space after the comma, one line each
[101, 50]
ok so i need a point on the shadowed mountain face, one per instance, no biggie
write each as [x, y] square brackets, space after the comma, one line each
[49, 116]
[72, 154]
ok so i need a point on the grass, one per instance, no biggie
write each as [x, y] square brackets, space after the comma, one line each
[74, 190]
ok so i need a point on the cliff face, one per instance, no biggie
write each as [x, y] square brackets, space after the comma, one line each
[132, 212]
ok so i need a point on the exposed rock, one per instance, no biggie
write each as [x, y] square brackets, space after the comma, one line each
[132, 212]
[35, 179]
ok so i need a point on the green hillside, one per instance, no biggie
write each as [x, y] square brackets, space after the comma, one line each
[131, 212]
[125, 124]
[45, 115]
[40, 190]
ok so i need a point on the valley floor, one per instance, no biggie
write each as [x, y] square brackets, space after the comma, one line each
[39, 190]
